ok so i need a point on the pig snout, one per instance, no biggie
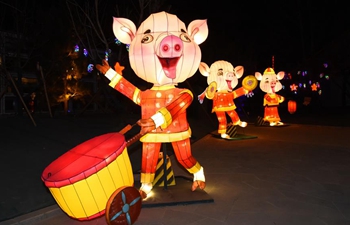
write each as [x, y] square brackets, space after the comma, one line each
[170, 47]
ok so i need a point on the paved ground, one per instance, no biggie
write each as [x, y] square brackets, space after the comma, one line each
[298, 174]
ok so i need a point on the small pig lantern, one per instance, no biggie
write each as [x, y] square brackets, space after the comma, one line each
[270, 84]
[222, 78]
[163, 52]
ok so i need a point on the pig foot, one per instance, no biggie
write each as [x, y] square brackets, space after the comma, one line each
[198, 180]
[242, 124]
[143, 194]
[225, 136]
[198, 183]
[145, 189]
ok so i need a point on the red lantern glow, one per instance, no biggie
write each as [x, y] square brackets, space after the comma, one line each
[292, 106]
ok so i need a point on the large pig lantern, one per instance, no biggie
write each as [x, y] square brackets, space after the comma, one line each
[163, 52]
[270, 84]
[222, 78]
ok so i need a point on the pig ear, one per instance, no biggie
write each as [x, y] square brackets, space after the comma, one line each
[198, 30]
[258, 75]
[239, 70]
[280, 75]
[204, 69]
[124, 30]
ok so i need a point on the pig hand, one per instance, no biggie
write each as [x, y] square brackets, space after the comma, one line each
[249, 94]
[281, 99]
[104, 67]
[147, 125]
[201, 97]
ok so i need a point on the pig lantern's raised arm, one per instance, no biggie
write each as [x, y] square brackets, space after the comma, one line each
[164, 117]
[164, 53]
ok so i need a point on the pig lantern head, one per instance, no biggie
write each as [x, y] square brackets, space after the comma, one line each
[270, 81]
[223, 73]
[162, 50]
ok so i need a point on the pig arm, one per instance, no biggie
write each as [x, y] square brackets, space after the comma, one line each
[165, 115]
[268, 100]
[239, 92]
[119, 83]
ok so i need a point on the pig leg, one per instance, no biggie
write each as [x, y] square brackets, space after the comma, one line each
[271, 115]
[222, 122]
[182, 150]
[235, 119]
[150, 155]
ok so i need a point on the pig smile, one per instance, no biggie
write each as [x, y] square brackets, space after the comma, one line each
[169, 66]
[229, 84]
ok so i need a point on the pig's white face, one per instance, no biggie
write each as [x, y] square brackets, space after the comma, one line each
[223, 73]
[162, 51]
[269, 81]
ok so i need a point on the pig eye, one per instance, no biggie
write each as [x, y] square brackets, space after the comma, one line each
[220, 72]
[147, 39]
[185, 37]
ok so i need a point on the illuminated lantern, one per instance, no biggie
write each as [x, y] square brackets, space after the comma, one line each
[222, 78]
[292, 106]
[270, 84]
[83, 179]
[163, 52]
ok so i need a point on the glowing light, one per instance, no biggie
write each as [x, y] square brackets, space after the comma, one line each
[76, 48]
[325, 65]
[314, 87]
[327, 77]
[293, 87]
[107, 54]
[90, 68]
[85, 52]
[117, 41]
[321, 75]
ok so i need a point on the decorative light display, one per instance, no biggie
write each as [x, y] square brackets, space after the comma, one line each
[222, 78]
[76, 48]
[107, 54]
[269, 83]
[314, 87]
[85, 52]
[171, 55]
[117, 41]
[292, 106]
[304, 81]
[293, 87]
[90, 68]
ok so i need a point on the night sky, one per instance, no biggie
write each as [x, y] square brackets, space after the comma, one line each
[251, 32]
[245, 32]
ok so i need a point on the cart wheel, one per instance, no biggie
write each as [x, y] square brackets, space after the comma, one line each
[124, 206]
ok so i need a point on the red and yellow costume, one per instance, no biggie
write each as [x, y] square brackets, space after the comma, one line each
[223, 103]
[171, 103]
[271, 103]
